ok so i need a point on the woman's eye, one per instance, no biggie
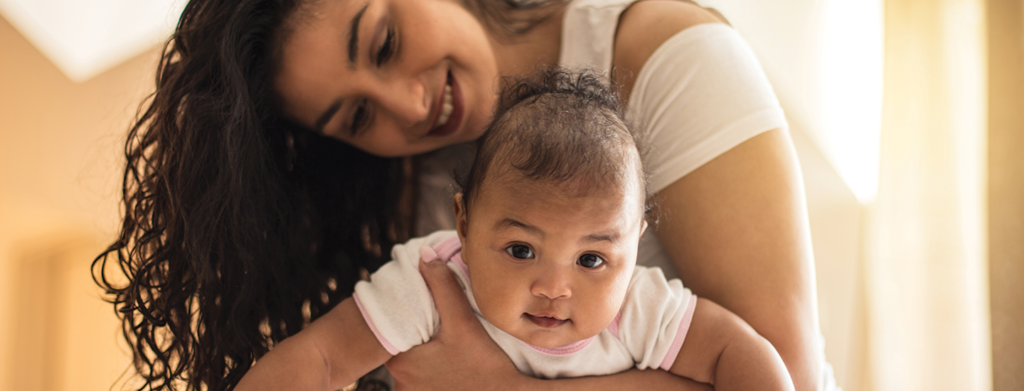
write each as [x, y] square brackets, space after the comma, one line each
[590, 261]
[520, 251]
[359, 117]
[387, 49]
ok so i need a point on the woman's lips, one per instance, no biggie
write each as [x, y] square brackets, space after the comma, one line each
[545, 321]
[455, 119]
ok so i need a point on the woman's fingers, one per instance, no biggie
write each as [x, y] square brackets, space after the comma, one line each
[461, 356]
[451, 302]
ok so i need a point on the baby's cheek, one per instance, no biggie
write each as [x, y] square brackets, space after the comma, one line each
[494, 301]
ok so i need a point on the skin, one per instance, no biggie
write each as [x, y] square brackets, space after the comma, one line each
[549, 270]
[396, 85]
[736, 228]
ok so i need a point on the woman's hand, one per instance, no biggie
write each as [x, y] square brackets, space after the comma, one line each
[461, 356]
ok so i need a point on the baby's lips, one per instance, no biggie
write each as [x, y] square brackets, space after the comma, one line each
[427, 254]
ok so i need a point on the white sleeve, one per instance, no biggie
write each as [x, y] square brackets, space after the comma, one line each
[655, 318]
[700, 94]
[396, 303]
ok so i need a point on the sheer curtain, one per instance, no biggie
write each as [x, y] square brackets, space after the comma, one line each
[925, 263]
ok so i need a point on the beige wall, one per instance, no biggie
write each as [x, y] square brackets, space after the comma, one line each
[60, 146]
[1006, 191]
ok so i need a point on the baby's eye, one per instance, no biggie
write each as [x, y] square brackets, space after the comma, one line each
[520, 251]
[590, 261]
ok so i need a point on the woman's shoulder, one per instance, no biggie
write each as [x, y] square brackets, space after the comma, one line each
[645, 26]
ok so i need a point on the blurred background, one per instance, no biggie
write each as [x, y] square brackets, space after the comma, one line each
[907, 115]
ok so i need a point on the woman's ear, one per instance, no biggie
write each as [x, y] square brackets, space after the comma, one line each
[461, 220]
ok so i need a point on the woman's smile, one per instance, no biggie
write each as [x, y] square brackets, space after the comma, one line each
[448, 109]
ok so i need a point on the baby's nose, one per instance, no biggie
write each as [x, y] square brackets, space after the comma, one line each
[554, 283]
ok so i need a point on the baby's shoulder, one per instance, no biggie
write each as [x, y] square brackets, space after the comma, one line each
[410, 250]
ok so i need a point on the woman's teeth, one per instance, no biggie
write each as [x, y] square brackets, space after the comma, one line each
[446, 108]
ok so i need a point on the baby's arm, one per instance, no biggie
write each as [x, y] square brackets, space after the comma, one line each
[331, 353]
[723, 350]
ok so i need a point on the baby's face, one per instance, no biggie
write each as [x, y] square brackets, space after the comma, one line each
[547, 266]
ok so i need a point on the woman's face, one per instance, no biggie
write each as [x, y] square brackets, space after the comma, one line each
[390, 77]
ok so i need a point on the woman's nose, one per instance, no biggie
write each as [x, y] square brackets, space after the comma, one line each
[553, 283]
[406, 100]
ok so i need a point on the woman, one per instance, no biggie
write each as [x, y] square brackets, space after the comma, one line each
[246, 217]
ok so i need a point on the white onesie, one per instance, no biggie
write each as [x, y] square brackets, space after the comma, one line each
[646, 334]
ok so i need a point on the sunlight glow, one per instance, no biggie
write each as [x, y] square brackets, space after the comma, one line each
[86, 37]
[852, 91]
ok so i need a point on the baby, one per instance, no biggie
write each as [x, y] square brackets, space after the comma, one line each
[547, 227]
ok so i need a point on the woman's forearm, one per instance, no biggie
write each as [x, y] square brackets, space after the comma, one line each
[635, 379]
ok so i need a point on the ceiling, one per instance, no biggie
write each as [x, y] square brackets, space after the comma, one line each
[86, 37]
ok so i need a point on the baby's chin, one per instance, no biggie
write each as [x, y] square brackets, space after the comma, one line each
[553, 343]
[554, 339]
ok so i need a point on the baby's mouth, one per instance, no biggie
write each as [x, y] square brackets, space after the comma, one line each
[546, 321]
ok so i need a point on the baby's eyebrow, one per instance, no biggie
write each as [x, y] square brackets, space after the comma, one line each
[513, 223]
[609, 237]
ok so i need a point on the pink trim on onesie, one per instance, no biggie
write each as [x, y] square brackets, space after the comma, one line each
[446, 249]
[684, 326]
[614, 327]
[376, 333]
[457, 260]
[451, 250]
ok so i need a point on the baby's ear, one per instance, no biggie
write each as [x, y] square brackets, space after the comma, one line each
[461, 223]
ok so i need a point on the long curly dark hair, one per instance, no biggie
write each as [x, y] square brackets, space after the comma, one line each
[240, 227]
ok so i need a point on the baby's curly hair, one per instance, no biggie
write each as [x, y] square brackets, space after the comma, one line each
[560, 126]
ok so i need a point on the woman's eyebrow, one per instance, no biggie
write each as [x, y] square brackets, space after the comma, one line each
[353, 37]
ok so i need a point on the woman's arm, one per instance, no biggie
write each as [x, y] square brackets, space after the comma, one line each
[461, 356]
[722, 349]
[736, 228]
[333, 352]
